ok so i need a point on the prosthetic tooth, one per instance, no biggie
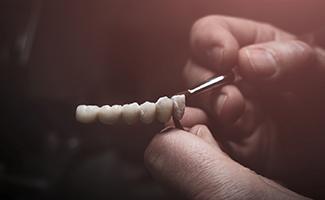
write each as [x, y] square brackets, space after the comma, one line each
[86, 114]
[147, 112]
[109, 115]
[179, 106]
[164, 109]
[131, 113]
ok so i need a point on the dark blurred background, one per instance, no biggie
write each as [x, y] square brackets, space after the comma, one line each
[55, 55]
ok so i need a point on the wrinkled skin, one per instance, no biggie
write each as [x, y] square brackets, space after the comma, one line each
[270, 120]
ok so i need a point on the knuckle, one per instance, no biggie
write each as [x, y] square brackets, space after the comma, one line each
[203, 30]
[204, 22]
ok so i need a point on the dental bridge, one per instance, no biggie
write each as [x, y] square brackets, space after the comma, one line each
[163, 110]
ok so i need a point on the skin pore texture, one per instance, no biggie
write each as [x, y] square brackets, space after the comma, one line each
[147, 112]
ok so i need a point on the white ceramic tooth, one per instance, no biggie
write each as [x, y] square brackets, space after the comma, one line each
[147, 112]
[179, 106]
[109, 115]
[86, 114]
[164, 109]
[131, 113]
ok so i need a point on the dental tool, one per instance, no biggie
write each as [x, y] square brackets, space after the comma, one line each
[212, 83]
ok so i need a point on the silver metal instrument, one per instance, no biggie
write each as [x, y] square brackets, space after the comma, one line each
[212, 83]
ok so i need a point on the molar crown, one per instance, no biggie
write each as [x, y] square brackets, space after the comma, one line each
[131, 113]
[86, 114]
[147, 112]
[164, 109]
[109, 115]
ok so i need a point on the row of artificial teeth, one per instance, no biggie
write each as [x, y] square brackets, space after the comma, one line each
[147, 112]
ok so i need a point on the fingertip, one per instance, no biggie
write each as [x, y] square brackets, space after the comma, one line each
[229, 104]
[204, 133]
[273, 61]
[192, 116]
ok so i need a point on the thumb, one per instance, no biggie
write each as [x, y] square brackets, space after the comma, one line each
[194, 165]
[276, 61]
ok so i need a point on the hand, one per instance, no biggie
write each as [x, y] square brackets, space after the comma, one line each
[270, 121]
[192, 163]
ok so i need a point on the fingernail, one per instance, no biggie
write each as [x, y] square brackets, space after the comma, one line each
[262, 61]
[195, 130]
[221, 100]
[167, 129]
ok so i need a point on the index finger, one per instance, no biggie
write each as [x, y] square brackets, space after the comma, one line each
[216, 40]
[192, 117]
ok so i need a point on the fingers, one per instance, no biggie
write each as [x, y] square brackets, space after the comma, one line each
[187, 163]
[229, 104]
[271, 55]
[213, 45]
[203, 132]
[192, 116]
[215, 40]
[231, 107]
[226, 104]
[239, 114]
[276, 61]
